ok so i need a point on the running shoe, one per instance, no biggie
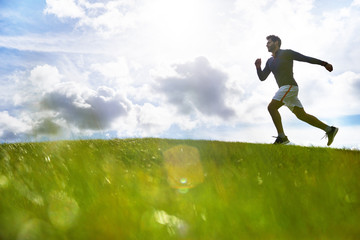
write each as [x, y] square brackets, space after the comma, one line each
[281, 140]
[331, 135]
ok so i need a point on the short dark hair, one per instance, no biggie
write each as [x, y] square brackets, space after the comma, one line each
[274, 39]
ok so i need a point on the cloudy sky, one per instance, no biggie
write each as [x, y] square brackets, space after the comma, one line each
[73, 69]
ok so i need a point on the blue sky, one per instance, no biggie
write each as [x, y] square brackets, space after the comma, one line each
[75, 69]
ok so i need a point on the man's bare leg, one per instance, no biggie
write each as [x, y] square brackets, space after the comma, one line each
[310, 119]
[313, 121]
[273, 109]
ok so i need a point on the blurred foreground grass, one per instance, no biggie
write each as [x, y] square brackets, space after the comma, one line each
[177, 189]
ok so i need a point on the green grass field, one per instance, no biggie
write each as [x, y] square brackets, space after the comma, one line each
[177, 189]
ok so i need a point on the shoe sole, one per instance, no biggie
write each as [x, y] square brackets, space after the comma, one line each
[283, 143]
[332, 140]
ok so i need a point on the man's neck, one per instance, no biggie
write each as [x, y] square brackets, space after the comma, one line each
[275, 52]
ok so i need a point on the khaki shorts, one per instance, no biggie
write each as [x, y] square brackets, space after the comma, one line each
[288, 95]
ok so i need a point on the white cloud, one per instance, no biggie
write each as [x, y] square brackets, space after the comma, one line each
[85, 108]
[30, 88]
[45, 77]
[107, 18]
[64, 8]
[356, 3]
[340, 30]
[198, 87]
[111, 22]
[117, 72]
[154, 120]
[11, 127]
[346, 87]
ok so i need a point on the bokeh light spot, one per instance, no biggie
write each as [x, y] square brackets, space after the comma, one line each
[4, 181]
[183, 181]
[183, 166]
[63, 210]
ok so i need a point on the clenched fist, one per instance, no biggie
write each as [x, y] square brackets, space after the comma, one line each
[258, 63]
[328, 67]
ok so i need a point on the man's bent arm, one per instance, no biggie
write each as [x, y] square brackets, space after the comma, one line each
[263, 74]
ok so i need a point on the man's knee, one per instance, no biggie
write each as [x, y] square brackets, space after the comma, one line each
[274, 106]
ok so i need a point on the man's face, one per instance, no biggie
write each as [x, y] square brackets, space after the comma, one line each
[271, 46]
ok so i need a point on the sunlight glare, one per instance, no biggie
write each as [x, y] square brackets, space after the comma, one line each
[177, 26]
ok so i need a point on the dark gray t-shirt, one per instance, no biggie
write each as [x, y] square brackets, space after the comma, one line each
[282, 66]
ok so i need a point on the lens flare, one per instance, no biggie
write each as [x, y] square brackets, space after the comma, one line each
[183, 181]
[183, 167]
[63, 210]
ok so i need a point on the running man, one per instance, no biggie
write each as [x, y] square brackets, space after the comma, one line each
[281, 65]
